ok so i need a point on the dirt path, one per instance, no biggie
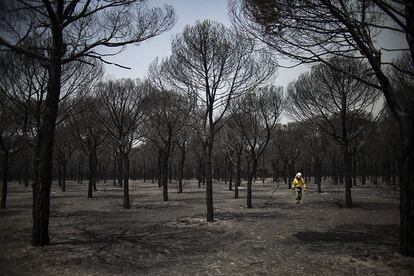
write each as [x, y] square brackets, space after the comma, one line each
[97, 237]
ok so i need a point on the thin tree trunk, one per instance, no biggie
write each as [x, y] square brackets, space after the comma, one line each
[230, 168]
[182, 162]
[252, 176]
[209, 182]
[238, 175]
[95, 172]
[4, 179]
[407, 186]
[64, 165]
[91, 177]
[160, 168]
[348, 178]
[126, 180]
[121, 162]
[165, 177]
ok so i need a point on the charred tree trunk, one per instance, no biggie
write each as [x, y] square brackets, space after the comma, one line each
[263, 169]
[115, 170]
[92, 174]
[43, 181]
[407, 186]
[252, 176]
[238, 174]
[5, 179]
[230, 168]
[125, 158]
[209, 181]
[160, 168]
[165, 177]
[348, 177]
[182, 162]
[120, 167]
[200, 173]
[64, 165]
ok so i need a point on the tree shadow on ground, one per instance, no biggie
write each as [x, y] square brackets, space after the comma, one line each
[132, 247]
[249, 215]
[349, 236]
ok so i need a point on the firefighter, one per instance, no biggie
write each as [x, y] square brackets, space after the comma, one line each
[298, 184]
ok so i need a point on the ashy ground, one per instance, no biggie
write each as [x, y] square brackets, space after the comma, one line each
[98, 237]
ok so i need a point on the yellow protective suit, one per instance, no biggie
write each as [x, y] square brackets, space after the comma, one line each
[298, 182]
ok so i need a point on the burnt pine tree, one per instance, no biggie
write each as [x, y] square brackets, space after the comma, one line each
[121, 115]
[256, 114]
[60, 32]
[214, 64]
[333, 102]
[167, 116]
[88, 135]
[314, 30]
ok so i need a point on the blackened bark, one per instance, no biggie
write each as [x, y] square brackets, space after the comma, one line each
[160, 168]
[182, 162]
[209, 182]
[407, 187]
[238, 174]
[165, 177]
[120, 166]
[348, 178]
[5, 179]
[252, 176]
[125, 158]
[43, 182]
[115, 170]
[92, 176]
[144, 174]
[230, 168]
[64, 168]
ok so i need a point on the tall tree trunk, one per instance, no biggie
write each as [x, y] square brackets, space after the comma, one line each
[200, 172]
[43, 182]
[252, 177]
[348, 178]
[4, 179]
[226, 169]
[144, 174]
[209, 181]
[318, 175]
[115, 170]
[182, 162]
[125, 158]
[407, 186]
[91, 176]
[238, 174]
[160, 168]
[64, 165]
[121, 163]
[165, 176]
[263, 169]
[59, 172]
[230, 168]
[95, 171]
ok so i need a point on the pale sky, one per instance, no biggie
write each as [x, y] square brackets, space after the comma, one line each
[188, 12]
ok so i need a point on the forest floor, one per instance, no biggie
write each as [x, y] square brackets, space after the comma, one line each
[98, 237]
